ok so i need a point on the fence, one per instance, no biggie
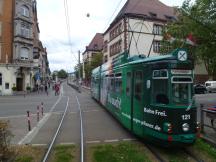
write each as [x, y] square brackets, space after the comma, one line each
[206, 113]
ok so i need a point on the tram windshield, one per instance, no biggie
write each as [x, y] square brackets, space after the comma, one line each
[181, 90]
[160, 87]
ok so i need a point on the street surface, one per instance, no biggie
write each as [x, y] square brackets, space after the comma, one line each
[98, 125]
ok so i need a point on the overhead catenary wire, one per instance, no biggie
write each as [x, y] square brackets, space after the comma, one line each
[68, 28]
[111, 17]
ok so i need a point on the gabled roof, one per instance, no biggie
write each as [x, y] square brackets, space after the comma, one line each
[148, 9]
[96, 44]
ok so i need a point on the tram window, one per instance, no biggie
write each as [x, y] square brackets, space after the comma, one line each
[182, 80]
[118, 83]
[160, 74]
[128, 86]
[112, 83]
[160, 91]
[138, 85]
[181, 93]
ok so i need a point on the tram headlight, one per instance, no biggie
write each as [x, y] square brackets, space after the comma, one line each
[185, 127]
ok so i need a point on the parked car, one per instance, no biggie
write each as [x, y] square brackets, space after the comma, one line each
[200, 89]
[210, 86]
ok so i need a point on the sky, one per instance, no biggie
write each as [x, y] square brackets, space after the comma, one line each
[63, 46]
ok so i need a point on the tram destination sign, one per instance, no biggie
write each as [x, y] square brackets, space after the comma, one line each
[180, 71]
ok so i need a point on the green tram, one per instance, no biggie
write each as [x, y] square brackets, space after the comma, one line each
[151, 97]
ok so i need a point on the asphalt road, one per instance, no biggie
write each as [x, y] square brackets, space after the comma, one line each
[99, 126]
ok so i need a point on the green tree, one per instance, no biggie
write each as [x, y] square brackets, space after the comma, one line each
[198, 19]
[62, 74]
[97, 60]
[54, 74]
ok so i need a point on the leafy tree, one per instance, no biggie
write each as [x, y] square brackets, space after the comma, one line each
[97, 60]
[62, 74]
[198, 19]
[54, 74]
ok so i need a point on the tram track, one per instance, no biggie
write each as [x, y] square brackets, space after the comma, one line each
[191, 154]
[155, 153]
[48, 152]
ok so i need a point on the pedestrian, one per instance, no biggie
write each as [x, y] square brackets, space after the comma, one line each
[56, 89]
[46, 89]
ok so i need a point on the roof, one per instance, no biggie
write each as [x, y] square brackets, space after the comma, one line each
[96, 44]
[148, 9]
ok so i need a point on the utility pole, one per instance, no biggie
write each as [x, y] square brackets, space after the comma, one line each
[79, 80]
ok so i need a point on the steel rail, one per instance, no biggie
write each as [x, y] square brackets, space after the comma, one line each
[192, 155]
[154, 152]
[81, 131]
[56, 134]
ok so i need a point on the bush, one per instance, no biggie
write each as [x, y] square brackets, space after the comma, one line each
[6, 154]
[28, 88]
[14, 88]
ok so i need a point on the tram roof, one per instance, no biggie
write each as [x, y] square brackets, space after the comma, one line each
[123, 59]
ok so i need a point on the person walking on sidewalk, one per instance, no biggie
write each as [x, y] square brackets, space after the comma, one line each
[46, 89]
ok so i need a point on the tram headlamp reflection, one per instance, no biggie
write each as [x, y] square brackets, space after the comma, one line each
[185, 127]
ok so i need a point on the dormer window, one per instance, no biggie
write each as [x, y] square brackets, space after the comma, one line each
[153, 14]
[25, 11]
[95, 46]
[170, 18]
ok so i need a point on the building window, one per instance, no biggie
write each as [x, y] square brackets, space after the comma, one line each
[7, 86]
[25, 11]
[116, 48]
[25, 29]
[105, 58]
[157, 29]
[156, 46]
[105, 46]
[116, 31]
[24, 53]
[0, 79]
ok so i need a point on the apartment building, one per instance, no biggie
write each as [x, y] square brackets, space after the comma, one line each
[19, 33]
[137, 28]
[94, 47]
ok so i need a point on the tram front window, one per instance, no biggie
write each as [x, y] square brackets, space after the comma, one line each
[160, 86]
[181, 92]
[160, 91]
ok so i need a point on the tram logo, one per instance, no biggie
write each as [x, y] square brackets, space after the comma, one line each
[114, 101]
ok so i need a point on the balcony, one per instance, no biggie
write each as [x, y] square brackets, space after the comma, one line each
[23, 63]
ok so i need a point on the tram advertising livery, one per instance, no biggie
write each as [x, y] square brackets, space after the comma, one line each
[152, 97]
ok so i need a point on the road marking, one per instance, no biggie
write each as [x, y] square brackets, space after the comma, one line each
[68, 143]
[129, 139]
[28, 138]
[16, 116]
[38, 144]
[113, 140]
[90, 142]
[87, 111]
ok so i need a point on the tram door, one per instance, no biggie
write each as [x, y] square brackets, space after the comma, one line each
[128, 100]
[137, 100]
